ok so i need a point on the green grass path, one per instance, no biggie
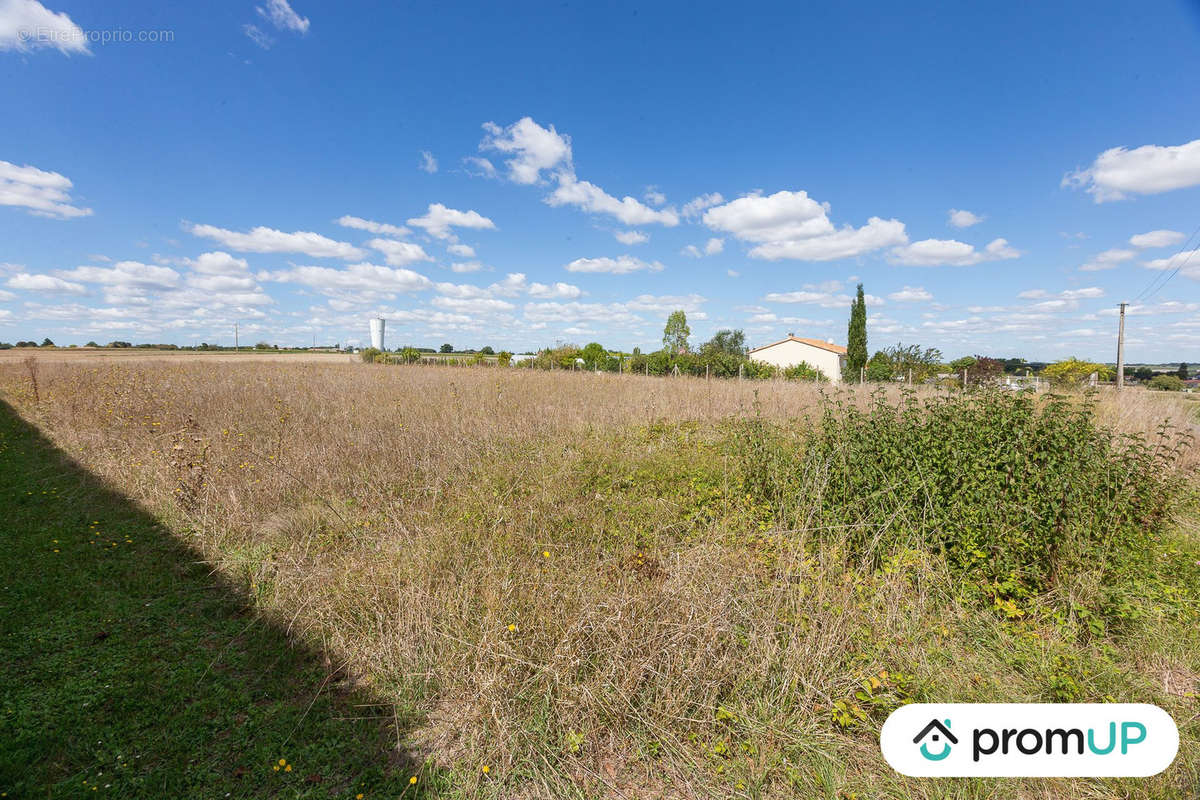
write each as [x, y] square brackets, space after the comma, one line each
[128, 670]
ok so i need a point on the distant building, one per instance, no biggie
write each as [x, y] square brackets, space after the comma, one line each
[825, 356]
[377, 326]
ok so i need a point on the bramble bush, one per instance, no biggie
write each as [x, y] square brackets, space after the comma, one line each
[1010, 488]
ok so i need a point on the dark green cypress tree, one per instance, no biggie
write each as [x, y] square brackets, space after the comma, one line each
[856, 337]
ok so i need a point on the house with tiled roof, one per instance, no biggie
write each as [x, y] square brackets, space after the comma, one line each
[824, 355]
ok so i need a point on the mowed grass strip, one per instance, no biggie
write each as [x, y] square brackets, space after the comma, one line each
[131, 671]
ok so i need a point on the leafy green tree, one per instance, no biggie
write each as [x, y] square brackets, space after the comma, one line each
[1073, 372]
[370, 355]
[594, 355]
[723, 354]
[47, 343]
[1182, 373]
[447, 348]
[1166, 383]
[91, 344]
[409, 355]
[856, 337]
[1143, 373]
[959, 364]
[879, 368]
[488, 351]
[1015, 365]
[921, 363]
[504, 358]
[676, 333]
[730, 342]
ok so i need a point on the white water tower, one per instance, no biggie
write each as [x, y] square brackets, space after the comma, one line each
[377, 333]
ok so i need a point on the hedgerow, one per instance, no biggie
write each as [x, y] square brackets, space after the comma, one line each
[1009, 487]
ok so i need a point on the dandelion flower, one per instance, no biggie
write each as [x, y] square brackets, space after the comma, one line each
[412, 780]
[545, 553]
[486, 769]
[288, 768]
[282, 761]
[510, 627]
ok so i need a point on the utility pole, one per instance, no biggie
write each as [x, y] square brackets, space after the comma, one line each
[235, 337]
[1121, 350]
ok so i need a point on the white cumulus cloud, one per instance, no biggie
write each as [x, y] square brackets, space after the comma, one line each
[532, 147]
[356, 276]
[44, 283]
[697, 205]
[218, 263]
[126, 273]
[1161, 238]
[622, 265]
[554, 291]
[961, 218]
[1187, 262]
[792, 225]
[631, 237]
[711, 247]
[1151, 169]
[1109, 259]
[270, 240]
[821, 298]
[590, 197]
[399, 254]
[911, 294]
[45, 194]
[950, 252]
[1067, 294]
[439, 220]
[280, 14]
[371, 226]
[27, 25]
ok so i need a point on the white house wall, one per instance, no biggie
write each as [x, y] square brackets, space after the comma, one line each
[790, 353]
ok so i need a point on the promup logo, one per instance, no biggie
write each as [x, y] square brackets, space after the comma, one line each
[935, 730]
[1034, 739]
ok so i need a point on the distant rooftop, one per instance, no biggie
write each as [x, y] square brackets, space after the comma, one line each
[830, 346]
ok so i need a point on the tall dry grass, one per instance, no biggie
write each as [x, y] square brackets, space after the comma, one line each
[544, 571]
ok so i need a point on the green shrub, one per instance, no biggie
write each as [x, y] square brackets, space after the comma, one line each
[1008, 487]
[804, 372]
[1165, 383]
[370, 355]
[760, 370]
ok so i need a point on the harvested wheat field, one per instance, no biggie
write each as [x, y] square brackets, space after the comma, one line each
[551, 584]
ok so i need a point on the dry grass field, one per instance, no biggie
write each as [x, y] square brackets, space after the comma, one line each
[588, 585]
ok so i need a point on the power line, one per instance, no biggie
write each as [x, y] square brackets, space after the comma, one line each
[1147, 293]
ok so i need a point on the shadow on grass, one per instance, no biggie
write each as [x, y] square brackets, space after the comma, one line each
[129, 669]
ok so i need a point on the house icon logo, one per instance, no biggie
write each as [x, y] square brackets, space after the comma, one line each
[935, 731]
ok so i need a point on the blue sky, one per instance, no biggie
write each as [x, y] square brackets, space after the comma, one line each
[493, 175]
